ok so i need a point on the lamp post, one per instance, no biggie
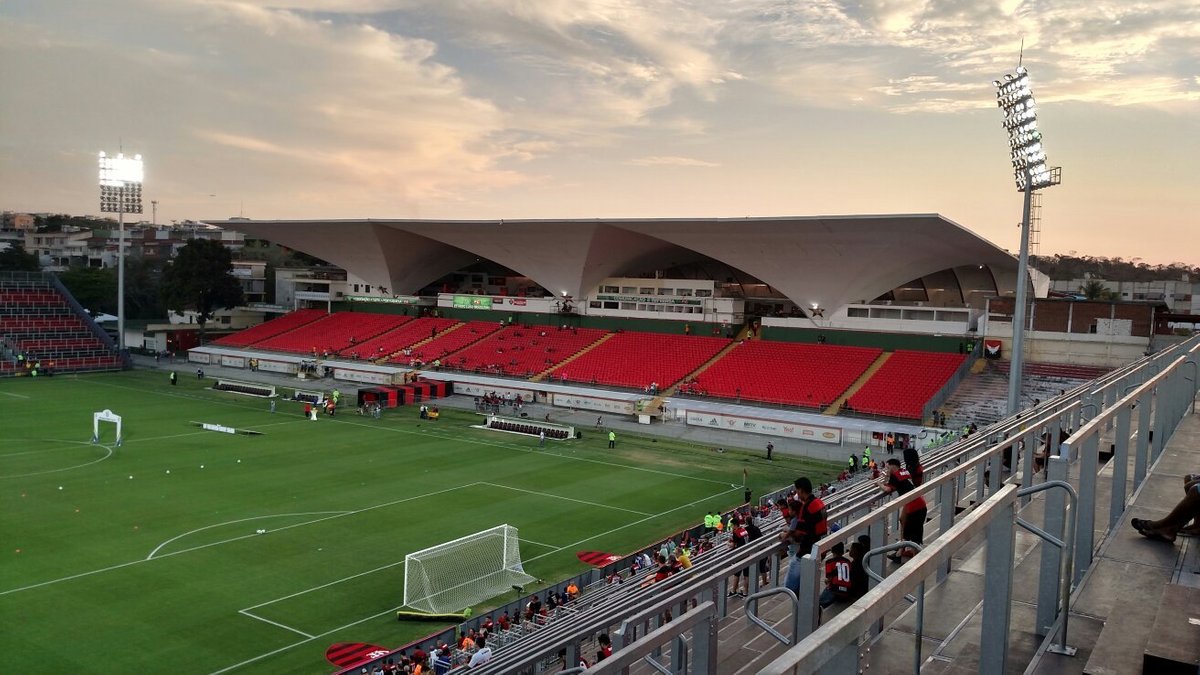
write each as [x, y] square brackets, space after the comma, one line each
[1015, 97]
[120, 193]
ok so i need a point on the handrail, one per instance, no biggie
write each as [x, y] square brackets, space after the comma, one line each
[821, 646]
[752, 613]
[919, 625]
[1065, 545]
[704, 612]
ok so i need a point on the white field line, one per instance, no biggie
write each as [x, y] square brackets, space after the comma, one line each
[537, 543]
[469, 441]
[107, 454]
[327, 585]
[9, 393]
[231, 539]
[110, 450]
[234, 522]
[305, 641]
[532, 451]
[388, 611]
[73, 445]
[570, 499]
[276, 623]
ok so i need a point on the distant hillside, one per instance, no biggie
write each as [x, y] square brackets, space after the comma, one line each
[1112, 269]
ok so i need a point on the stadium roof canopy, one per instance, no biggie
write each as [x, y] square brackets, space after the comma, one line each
[827, 261]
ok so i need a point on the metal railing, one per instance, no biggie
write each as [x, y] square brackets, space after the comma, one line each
[972, 484]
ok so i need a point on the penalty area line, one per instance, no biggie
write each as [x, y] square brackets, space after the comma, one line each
[570, 499]
[304, 641]
[557, 549]
[276, 623]
[628, 525]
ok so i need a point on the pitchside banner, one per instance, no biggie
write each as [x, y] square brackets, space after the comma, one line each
[364, 376]
[805, 432]
[592, 403]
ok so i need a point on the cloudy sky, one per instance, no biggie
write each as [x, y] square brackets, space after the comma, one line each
[607, 108]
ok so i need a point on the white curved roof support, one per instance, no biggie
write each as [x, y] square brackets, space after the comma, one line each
[828, 261]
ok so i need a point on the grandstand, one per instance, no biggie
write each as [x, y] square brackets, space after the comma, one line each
[40, 323]
[269, 329]
[636, 360]
[811, 376]
[785, 373]
[403, 334]
[450, 341]
[332, 333]
[520, 351]
[905, 383]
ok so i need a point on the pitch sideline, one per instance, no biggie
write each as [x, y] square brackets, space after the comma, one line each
[389, 611]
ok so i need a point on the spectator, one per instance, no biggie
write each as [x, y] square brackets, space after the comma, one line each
[912, 515]
[738, 538]
[837, 577]
[483, 655]
[605, 650]
[1176, 522]
[860, 583]
[441, 661]
[809, 523]
[753, 533]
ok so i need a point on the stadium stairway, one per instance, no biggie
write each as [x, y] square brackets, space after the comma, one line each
[836, 406]
[1142, 596]
[421, 343]
[982, 398]
[742, 335]
[542, 375]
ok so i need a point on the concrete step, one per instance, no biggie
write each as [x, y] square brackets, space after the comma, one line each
[1173, 644]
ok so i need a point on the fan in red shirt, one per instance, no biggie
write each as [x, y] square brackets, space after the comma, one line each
[912, 517]
[837, 576]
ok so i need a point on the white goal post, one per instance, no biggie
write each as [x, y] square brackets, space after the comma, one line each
[450, 577]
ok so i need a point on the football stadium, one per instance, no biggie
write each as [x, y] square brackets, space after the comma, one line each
[758, 445]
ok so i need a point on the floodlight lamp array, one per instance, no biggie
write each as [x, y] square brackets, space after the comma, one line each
[120, 183]
[1015, 97]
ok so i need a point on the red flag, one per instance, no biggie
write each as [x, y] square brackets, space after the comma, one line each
[598, 558]
[345, 654]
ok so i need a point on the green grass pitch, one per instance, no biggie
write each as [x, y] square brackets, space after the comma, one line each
[145, 557]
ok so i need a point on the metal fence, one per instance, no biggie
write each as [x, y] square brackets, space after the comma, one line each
[975, 485]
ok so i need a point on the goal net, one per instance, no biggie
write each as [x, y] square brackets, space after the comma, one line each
[458, 574]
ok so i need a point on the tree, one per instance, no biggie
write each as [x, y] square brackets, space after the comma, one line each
[143, 288]
[16, 259]
[1095, 289]
[94, 287]
[200, 280]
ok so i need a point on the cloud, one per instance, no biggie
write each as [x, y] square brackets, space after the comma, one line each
[656, 160]
[244, 101]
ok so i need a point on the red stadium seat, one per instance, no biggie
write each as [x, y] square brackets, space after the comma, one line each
[448, 342]
[905, 383]
[332, 333]
[521, 351]
[633, 359]
[262, 331]
[789, 373]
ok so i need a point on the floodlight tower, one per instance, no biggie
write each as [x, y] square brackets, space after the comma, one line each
[1015, 98]
[120, 193]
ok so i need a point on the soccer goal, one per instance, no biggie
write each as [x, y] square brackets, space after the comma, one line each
[455, 575]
